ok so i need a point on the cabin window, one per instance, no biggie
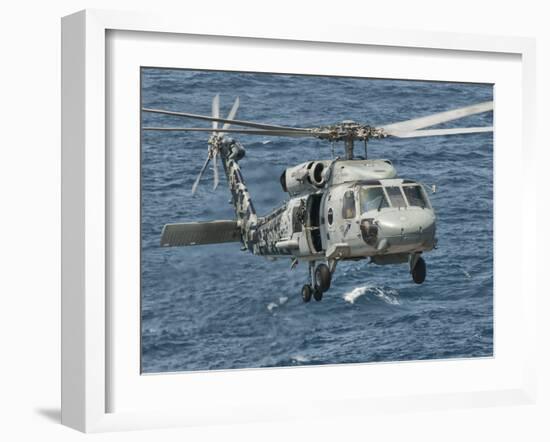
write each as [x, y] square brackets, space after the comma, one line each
[372, 198]
[396, 196]
[348, 207]
[330, 216]
[414, 195]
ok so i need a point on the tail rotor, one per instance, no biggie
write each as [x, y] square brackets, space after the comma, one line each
[203, 168]
[215, 141]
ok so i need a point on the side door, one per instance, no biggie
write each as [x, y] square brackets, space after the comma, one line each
[313, 221]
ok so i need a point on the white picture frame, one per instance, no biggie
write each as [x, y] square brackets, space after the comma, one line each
[87, 316]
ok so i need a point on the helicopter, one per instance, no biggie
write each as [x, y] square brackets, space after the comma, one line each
[344, 208]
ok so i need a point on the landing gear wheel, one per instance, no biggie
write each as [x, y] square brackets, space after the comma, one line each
[306, 293]
[419, 271]
[322, 277]
[317, 294]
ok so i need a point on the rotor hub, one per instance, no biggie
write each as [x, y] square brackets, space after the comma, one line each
[349, 130]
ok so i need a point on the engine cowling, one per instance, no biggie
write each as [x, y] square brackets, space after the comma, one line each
[305, 177]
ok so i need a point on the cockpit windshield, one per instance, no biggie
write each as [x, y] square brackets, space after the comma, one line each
[372, 198]
[400, 196]
[415, 196]
[396, 196]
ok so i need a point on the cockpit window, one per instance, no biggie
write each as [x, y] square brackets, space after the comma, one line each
[396, 197]
[414, 195]
[372, 198]
[348, 207]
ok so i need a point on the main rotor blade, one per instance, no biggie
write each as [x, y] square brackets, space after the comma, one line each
[203, 168]
[232, 113]
[441, 117]
[215, 110]
[277, 133]
[436, 132]
[222, 120]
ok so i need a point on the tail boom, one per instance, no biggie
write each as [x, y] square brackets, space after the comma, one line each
[245, 214]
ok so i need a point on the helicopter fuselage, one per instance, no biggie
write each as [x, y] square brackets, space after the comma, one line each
[355, 209]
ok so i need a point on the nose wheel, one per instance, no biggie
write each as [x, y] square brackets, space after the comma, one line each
[418, 270]
[320, 282]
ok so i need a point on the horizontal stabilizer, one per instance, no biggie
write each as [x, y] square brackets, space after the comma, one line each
[191, 234]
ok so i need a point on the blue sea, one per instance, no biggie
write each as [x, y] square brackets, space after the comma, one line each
[217, 307]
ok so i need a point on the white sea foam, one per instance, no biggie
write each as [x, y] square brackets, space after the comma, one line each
[273, 305]
[299, 359]
[389, 296]
[354, 294]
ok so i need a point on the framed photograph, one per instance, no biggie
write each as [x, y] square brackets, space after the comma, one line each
[222, 286]
[280, 220]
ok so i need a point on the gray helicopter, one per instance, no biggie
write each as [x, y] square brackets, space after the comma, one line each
[340, 209]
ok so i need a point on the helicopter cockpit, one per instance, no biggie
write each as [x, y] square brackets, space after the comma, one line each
[376, 215]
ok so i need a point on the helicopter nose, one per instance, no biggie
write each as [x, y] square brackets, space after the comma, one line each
[406, 222]
[411, 227]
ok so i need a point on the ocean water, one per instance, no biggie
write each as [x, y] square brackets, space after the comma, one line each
[216, 307]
